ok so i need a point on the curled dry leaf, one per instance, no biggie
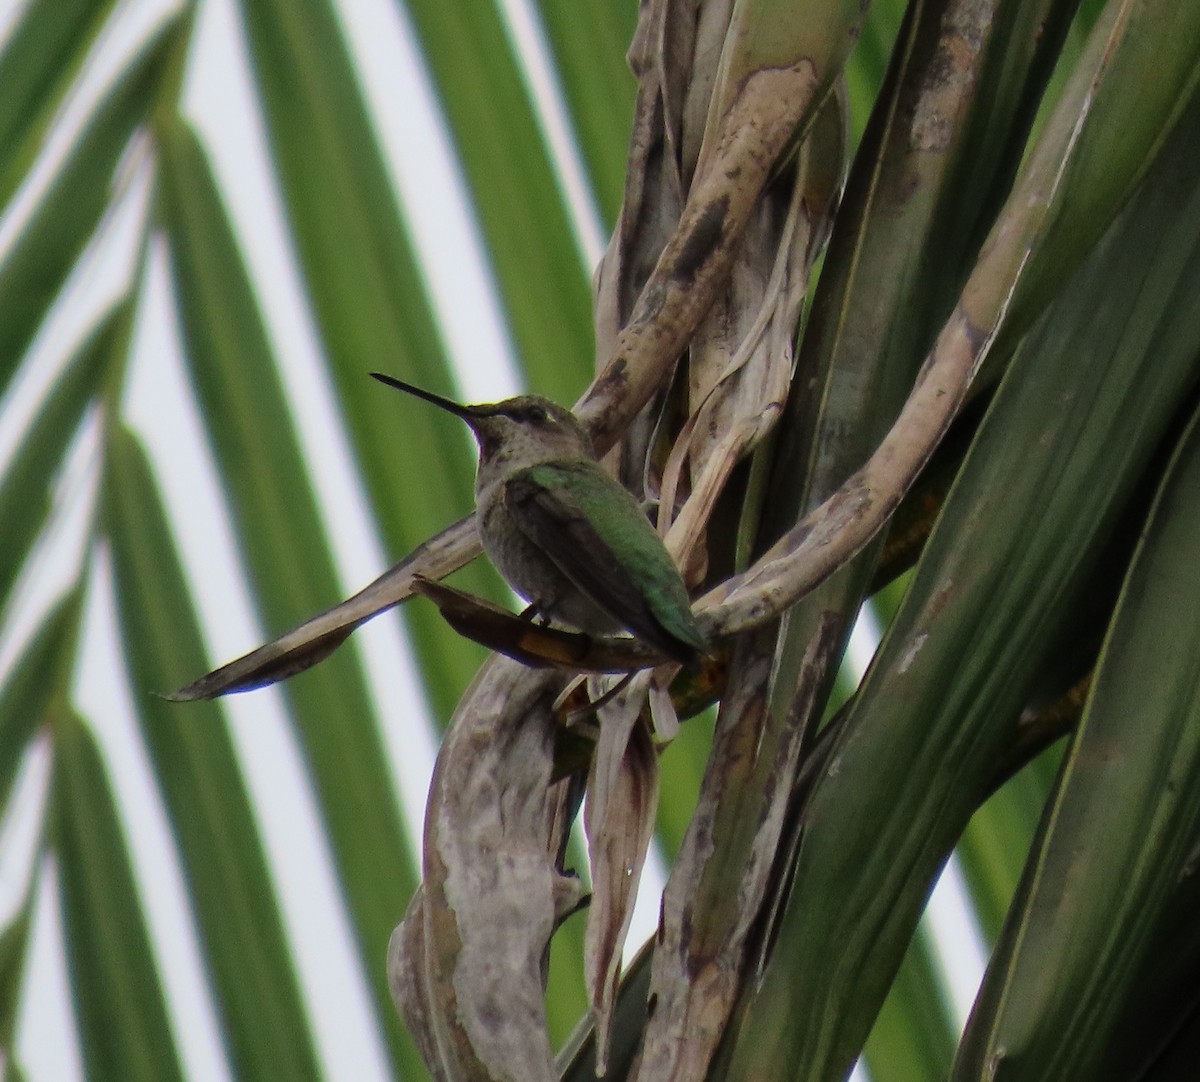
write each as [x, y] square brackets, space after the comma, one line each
[619, 820]
[705, 928]
[316, 638]
[661, 58]
[738, 388]
[742, 359]
[494, 888]
[696, 260]
[836, 530]
[664, 717]
[409, 983]
[534, 644]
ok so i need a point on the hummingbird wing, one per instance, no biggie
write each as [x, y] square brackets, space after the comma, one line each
[597, 535]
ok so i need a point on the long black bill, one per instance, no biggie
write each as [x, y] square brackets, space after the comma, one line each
[467, 413]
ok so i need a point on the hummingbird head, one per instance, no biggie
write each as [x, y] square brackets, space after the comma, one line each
[522, 431]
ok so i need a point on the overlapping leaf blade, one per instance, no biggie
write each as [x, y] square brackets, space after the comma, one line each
[75, 202]
[589, 43]
[27, 485]
[285, 547]
[913, 1038]
[1119, 834]
[41, 57]
[1001, 570]
[248, 959]
[490, 109]
[367, 295]
[118, 996]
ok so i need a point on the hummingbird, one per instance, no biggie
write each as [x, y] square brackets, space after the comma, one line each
[565, 535]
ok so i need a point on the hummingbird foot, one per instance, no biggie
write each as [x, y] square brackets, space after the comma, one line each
[533, 614]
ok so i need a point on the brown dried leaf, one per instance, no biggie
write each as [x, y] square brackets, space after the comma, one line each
[712, 28]
[696, 260]
[705, 928]
[494, 831]
[409, 984]
[530, 643]
[740, 368]
[619, 820]
[316, 638]
[660, 57]
[742, 359]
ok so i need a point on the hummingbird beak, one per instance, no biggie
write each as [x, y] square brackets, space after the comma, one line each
[467, 413]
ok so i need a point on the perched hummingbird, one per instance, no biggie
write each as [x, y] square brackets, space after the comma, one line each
[563, 533]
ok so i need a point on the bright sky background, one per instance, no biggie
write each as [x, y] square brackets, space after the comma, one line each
[220, 101]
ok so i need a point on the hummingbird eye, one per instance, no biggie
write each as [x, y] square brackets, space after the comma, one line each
[538, 413]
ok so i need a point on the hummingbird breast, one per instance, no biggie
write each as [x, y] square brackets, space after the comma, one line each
[532, 573]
